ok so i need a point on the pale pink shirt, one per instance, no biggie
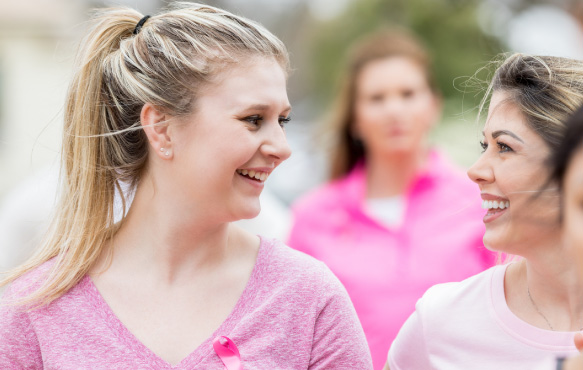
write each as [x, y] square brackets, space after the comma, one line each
[293, 314]
[386, 270]
[468, 325]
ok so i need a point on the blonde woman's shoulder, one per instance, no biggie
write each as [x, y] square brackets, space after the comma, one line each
[28, 282]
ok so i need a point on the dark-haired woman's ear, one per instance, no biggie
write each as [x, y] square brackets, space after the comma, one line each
[155, 125]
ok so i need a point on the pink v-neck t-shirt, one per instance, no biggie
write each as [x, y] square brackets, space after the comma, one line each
[293, 314]
[468, 325]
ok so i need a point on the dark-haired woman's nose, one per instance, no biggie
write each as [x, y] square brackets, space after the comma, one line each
[481, 172]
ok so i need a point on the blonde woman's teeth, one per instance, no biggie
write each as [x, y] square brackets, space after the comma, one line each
[256, 175]
[495, 204]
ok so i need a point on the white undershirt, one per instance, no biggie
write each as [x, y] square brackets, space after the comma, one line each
[388, 211]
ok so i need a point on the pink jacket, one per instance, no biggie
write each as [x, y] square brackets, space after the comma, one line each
[386, 271]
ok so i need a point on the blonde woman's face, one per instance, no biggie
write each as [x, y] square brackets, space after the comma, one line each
[235, 138]
[394, 107]
[510, 173]
[573, 208]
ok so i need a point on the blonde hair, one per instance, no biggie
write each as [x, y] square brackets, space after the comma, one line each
[166, 64]
[547, 90]
[346, 151]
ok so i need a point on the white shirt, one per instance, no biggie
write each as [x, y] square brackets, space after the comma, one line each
[388, 211]
[468, 325]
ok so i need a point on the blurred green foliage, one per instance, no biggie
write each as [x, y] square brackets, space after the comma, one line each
[449, 29]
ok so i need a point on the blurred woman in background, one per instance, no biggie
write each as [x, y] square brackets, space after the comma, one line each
[396, 217]
[523, 314]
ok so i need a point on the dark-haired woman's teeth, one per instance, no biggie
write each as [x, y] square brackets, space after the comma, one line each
[495, 204]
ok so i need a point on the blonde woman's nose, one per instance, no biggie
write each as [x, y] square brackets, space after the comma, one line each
[275, 144]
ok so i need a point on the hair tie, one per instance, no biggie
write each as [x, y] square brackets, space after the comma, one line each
[140, 24]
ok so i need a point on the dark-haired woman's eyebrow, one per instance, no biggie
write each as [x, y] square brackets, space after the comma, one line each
[498, 133]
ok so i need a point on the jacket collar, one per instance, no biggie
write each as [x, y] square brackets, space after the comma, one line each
[354, 183]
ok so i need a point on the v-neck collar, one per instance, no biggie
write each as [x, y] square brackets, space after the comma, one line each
[205, 349]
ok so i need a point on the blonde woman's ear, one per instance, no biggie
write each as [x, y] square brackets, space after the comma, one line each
[155, 125]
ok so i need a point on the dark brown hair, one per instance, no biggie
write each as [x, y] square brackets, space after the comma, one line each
[547, 91]
[571, 143]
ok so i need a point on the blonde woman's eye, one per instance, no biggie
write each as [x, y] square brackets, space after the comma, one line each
[484, 146]
[255, 120]
[284, 120]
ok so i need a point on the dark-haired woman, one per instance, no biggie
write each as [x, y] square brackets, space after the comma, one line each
[523, 314]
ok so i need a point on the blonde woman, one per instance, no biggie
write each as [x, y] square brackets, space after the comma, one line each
[187, 106]
[524, 314]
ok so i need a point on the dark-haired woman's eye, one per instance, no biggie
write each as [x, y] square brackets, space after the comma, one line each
[284, 120]
[484, 146]
[503, 147]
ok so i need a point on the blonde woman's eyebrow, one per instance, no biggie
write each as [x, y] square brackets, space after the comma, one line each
[265, 107]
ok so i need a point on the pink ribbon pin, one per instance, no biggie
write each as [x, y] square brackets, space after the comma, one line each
[228, 353]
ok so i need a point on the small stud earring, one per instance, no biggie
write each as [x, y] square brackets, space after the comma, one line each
[167, 153]
[161, 149]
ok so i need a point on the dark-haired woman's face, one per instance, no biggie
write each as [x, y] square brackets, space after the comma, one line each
[394, 108]
[511, 172]
[573, 207]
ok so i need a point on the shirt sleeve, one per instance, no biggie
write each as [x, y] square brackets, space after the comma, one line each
[409, 350]
[19, 347]
[339, 341]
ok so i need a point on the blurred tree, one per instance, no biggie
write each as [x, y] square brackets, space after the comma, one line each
[449, 28]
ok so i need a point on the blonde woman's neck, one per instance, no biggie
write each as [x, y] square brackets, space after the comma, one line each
[159, 239]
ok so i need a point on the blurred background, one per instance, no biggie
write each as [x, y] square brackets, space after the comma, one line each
[38, 39]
